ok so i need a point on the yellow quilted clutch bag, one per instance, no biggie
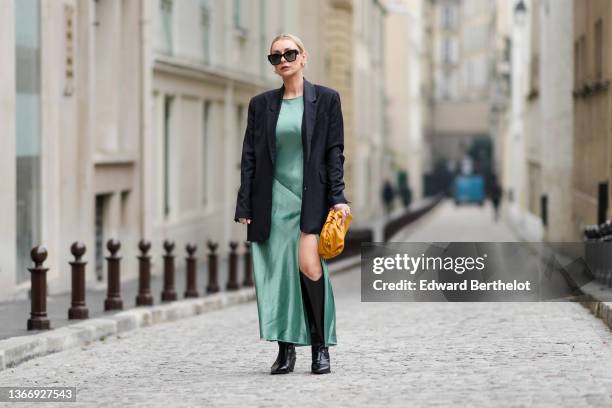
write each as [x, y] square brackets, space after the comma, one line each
[331, 240]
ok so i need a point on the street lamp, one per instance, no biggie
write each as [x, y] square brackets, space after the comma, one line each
[520, 11]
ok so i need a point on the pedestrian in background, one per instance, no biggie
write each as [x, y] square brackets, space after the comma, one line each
[404, 190]
[495, 194]
[388, 194]
[291, 176]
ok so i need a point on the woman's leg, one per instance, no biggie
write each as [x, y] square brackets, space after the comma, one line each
[310, 263]
[313, 293]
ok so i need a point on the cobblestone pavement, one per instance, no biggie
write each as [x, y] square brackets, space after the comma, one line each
[388, 354]
[448, 222]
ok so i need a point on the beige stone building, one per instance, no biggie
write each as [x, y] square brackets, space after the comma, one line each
[556, 123]
[500, 89]
[463, 39]
[409, 86]
[515, 147]
[538, 148]
[531, 214]
[125, 119]
[200, 101]
[369, 158]
[73, 124]
[592, 123]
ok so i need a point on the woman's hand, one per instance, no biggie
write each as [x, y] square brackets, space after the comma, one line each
[244, 220]
[346, 210]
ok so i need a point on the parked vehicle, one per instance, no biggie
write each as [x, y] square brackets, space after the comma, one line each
[469, 188]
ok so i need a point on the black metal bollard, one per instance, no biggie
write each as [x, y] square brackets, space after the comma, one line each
[78, 308]
[192, 269]
[213, 283]
[232, 282]
[38, 314]
[113, 297]
[248, 271]
[144, 297]
[168, 294]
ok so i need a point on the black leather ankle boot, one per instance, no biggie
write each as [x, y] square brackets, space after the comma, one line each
[320, 359]
[285, 360]
[313, 293]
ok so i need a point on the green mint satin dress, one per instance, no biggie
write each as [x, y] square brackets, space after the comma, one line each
[282, 314]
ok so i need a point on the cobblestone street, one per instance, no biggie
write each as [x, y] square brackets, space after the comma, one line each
[388, 354]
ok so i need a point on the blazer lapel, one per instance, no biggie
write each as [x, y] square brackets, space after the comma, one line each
[308, 118]
[308, 121]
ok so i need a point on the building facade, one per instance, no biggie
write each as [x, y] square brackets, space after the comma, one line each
[409, 86]
[125, 119]
[368, 149]
[591, 106]
[72, 121]
[463, 38]
[557, 119]
[539, 147]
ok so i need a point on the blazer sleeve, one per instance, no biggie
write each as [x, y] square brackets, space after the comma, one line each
[247, 169]
[334, 154]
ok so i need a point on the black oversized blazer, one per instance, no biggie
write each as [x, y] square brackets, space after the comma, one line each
[323, 146]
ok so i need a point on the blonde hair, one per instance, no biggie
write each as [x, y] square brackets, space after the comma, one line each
[291, 37]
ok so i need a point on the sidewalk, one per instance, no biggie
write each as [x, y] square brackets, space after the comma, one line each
[377, 225]
[594, 295]
[14, 314]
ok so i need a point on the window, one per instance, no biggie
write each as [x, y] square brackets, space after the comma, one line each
[238, 13]
[535, 74]
[446, 51]
[468, 74]
[241, 126]
[534, 172]
[166, 23]
[447, 18]
[27, 132]
[599, 50]
[206, 29]
[580, 62]
[583, 59]
[507, 49]
[99, 236]
[168, 100]
[453, 84]
[577, 64]
[205, 151]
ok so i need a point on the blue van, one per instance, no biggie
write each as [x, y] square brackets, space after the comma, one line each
[469, 188]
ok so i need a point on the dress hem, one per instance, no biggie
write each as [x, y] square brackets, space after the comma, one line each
[297, 344]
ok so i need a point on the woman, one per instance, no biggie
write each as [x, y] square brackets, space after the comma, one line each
[291, 176]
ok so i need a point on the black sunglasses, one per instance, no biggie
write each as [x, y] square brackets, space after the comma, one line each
[290, 56]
